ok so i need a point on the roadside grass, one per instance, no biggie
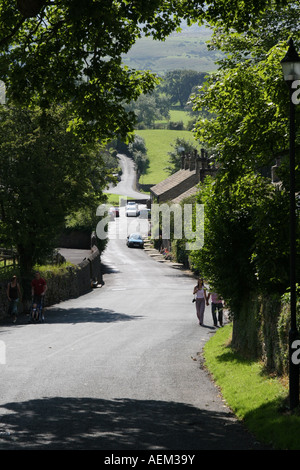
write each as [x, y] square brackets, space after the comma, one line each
[50, 270]
[114, 199]
[256, 398]
[158, 143]
[47, 270]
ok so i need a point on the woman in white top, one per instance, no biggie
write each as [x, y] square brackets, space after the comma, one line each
[201, 300]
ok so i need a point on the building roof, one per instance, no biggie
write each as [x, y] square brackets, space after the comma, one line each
[188, 193]
[172, 181]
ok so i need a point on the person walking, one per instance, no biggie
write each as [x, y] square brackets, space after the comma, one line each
[216, 306]
[14, 295]
[38, 290]
[201, 300]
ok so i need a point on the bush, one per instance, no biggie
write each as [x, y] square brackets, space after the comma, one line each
[84, 221]
[225, 259]
[283, 327]
[175, 126]
[245, 258]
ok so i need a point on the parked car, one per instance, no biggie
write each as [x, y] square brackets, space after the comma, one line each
[132, 209]
[114, 212]
[135, 239]
[117, 176]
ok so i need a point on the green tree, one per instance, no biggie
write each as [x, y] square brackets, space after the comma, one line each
[250, 114]
[178, 84]
[59, 51]
[148, 108]
[246, 250]
[181, 145]
[246, 233]
[245, 256]
[46, 173]
[138, 152]
[247, 98]
[225, 257]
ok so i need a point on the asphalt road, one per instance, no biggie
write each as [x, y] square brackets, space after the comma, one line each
[116, 369]
[127, 185]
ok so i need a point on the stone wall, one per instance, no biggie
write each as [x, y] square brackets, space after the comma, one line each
[76, 282]
[71, 284]
[255, 331]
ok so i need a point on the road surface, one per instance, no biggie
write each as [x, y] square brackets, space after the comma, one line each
[126, 187]
[116, 369]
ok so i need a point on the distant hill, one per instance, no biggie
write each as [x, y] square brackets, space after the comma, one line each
[184, 50]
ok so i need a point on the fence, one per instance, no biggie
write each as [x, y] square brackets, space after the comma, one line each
[8, 258]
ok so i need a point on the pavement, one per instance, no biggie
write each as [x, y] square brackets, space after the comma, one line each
[74, 255]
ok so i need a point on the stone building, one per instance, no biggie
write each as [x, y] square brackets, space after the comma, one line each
[183, 183]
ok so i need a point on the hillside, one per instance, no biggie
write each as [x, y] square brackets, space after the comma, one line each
[159, 143]
[184, 50]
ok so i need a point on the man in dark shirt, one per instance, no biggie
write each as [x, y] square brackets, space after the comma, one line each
[38, 290]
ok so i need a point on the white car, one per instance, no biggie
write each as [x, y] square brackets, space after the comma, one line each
[132, 209]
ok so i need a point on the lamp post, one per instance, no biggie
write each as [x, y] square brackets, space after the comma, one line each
[291, 71]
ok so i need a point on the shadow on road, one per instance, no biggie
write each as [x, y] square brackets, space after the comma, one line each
[76, 315]
[120, 424]
[86, 315]
[106, 269]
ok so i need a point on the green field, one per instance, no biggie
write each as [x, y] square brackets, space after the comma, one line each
[159, 143]
[177, 116]
[185, 50]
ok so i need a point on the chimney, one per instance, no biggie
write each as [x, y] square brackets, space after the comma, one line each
[192, 161]
[197, 165]
[186, 162]
[182, 160]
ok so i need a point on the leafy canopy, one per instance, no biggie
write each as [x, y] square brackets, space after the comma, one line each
[178, 84]
[69, 50]
[249, 104]
[46, 173]
[246, 217]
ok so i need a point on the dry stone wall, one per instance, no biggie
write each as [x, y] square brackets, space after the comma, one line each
[74, 283]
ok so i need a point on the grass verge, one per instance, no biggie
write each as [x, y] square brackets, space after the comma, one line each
[114, 199]
[258, 399]
[50, 270]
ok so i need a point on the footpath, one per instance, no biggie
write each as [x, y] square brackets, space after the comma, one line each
[165, 257]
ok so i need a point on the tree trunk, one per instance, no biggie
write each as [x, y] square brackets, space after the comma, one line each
[26, 275]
